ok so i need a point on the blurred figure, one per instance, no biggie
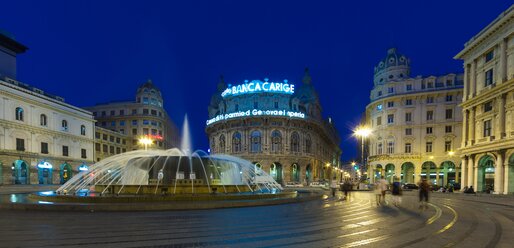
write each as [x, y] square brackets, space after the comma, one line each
[424, 188]
[333, 187]
[378, 192]
[346, 188]
[469, 190]
[383, 188]
[396, 192]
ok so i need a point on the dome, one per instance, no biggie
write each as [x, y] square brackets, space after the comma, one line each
[393, 67]
[147, 87]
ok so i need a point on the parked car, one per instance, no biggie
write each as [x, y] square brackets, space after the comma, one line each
[410, 186]
[294, 184]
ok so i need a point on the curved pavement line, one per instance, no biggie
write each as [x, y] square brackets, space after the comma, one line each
[450, 225]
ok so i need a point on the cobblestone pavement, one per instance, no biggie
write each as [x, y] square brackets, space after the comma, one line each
[449, 221]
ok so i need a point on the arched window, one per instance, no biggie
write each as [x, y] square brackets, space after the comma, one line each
[222, 143]
[43, 120]
[64, 125]
[295, 142]
[276, 141]
[379, 148]
[236, 142]
[19, 114]
[82, 130]
[308, 144]
[256, 141]
[390, 147]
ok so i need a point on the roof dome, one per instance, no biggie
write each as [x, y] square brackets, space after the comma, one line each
[393, 67]
[148, 86]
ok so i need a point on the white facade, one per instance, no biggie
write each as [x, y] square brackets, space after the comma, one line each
[36, 127]
[488, 107]
[416, 124]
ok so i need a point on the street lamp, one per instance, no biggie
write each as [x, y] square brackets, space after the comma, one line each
[145, 141]
[363, 132]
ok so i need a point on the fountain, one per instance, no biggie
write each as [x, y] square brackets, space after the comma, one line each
[172, 176]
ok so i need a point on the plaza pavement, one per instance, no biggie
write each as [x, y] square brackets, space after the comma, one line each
[452, 220]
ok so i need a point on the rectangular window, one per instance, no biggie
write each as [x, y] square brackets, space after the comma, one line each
[449, 113]
[390, 90]
[111, 149]
[118, 150]
[154, 123]
[408, 148]
[122, 123]
[83, 153]
[134, 122]
[145, 111]
[145, 100]
[408, 117]
[65, 151]
[134, 131]
[153, 112]
[488, 106]
[104, 136]
[489, 77]
[146, 122]
[429, 147]
[122, 131]
[409, 87]
[408, 102]
[449, 82]
[449, 98]
[112, 113]
[430, 85]
[118, 140]
[489, 56]
[154, 131]
[145, 131]
[104, 148]
[430, 99]
[111, 138]
[429, 130]
[104, 123]
[390, 104]
[134, 111]
[448, 129]
[97, 135]
[379, 148]
[447, 146]
[379, 120]
[430, 115]
[408, 131]
[113, 123]
[379, 93]
[390, 147]
[20, 144]
[44, 147]
[103, 113]
[97, 147]
[487, 128]
[122, 112]
[390, 119]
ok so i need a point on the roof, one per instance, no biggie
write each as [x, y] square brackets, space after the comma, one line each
[11, 44]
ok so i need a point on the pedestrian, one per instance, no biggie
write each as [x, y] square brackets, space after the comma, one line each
[396, 192]
[377, 191]
[424, 187]
[383, 188]
[333, 187]
[346, 187]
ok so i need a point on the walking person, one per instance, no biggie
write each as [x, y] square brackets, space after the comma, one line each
[424, 188]
[383, 188]
[333, 187]
[378, 192]
[396, 192]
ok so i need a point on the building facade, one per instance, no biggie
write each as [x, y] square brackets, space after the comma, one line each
[43, 140]
[416, 124]
[109, 143]
[487, 147]
[277, 127]
[144, 117]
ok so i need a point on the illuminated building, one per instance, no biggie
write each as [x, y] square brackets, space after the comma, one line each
[276, 125]
[109, 143]
[43, 139]
[487, 147]
[416, 124]
[143, 117]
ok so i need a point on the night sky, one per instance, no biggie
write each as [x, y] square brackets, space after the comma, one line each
[97, 51]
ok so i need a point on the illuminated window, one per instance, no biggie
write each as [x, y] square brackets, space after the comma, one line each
[255, 141]
[408, 147]
[489, 77]
[82, 130]
[19, 114]
[43, 120]
[276, 141]
[447, 146]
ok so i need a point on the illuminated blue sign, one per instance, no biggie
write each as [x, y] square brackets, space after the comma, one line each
[257, 86]
[83, 167]
[256, 112]
[44, 165]
[379, 107]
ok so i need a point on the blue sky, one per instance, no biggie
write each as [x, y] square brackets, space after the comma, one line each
[98, 51]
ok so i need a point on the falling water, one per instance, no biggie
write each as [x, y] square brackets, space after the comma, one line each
[186, 146]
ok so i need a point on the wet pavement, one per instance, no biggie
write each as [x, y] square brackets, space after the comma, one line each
[449, 221]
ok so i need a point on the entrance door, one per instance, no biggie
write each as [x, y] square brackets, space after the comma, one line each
[20, 172]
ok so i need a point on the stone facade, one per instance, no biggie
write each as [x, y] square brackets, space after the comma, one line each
[289, 139]
[109, 143]
[416, 124]
[487, 148]
[145, 116]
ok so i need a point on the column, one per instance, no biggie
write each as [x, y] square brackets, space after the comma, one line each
[500, 130]
[475, 175]
[466, 83]
[503, 61]
[465, 128]
[473, 78]
[436, 175]
[417, 173]
[506, 176]
[471, 126]
[498, 174]
[469, 181]
[461, 169]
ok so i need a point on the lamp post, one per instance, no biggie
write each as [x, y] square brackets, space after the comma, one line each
[362, 132]
[146, 142]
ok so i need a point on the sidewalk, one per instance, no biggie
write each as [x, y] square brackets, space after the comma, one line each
[505, 200]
